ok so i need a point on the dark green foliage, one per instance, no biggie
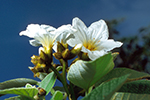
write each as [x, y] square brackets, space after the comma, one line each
[139, 87]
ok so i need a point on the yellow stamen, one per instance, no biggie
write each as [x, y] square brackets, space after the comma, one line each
[90, 45]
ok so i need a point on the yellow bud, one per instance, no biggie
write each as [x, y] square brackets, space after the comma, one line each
[57, 55]
[74, 51]
[35, 59]
[32, 69]
[43, 55]
[84, 56]
[60, 47]
[65, 53]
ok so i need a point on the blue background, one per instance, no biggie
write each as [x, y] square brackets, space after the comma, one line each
[15, 15]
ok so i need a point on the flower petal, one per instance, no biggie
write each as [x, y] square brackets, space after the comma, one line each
[43, 34]
[41, 49]
[96, 54]
[31, 30]
[64, 33]
[81, 29]
[48, 28]
[34, 43]
[98, 31]
[109, 45]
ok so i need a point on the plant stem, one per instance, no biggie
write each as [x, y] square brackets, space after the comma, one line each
[72, 92]
[61, 79]
[57, 73]
[64, 64]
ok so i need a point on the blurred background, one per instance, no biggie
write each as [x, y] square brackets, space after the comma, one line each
[128, 21]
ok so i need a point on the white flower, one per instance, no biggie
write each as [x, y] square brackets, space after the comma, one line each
[42, 34]
[45, 35]
[94, 38]
[66, 34]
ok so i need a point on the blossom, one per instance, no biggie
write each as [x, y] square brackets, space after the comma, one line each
[65, 35]
[45, 35]
[42, 34]
[94, 38]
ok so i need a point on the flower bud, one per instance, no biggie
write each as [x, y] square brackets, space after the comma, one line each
[84, 56]
[35, 59]
[35, 72]
[65, 45]
[43, 55]
[75, 50]
[60, 47]
[41, 91]
[65, 53]
[32, 69]
[57, 55]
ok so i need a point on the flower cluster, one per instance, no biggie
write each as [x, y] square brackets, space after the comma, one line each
[94, 39]
[90, 44]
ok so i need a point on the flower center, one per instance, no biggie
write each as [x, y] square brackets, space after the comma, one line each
[90, 45]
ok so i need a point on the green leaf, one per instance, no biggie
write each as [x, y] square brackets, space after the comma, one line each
[117, 72]
[42, 75]
[86, 73]
[48, 82]
[28, 92]
[57, 96]
[28, 85]
[139, 87]
[106, 89]
[19, 98]
[130, 96]
[19, 82]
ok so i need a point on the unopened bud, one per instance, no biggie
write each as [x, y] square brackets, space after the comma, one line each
[60, 47]
[43, 55]
[57, 55]
[75, 51]
[65, 45]
[35, 72]
[32, 69]
[65, 53]
[84, 56]
[35, 59]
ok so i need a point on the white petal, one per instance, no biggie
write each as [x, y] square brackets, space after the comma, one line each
[84, 49]
[65, 29]
[48, 28]
[64, 33]
[81, 29]
[98, 31]
[24, 33]
[109, 45]
[34, 43]
[33, 30]
[55, 47]
[62, 38]
[95, 54]
[41, 48]
[72, 42]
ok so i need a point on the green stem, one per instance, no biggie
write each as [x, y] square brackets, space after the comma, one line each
[64, 64]
[61, 79]
[57, 73]
[72, 92]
